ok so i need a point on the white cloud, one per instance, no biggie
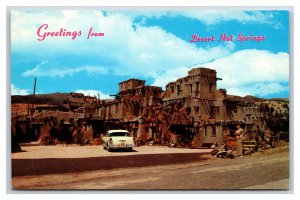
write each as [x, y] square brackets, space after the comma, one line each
[259, 89]
[58, 72]
[245, 72]
[132, 50]
[213, 17]
[94, 93]
[35, 70]
[170, 75]
[152, 50]
[137, 50]
[17, 91]
[208, 17]
[252, 72]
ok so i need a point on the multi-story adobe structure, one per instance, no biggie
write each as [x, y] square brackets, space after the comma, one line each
[211, 110]
[132, 102]
[192, 111]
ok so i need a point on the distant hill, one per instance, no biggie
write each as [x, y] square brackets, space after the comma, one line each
[52, 99]
[60, 98]
[250, 98]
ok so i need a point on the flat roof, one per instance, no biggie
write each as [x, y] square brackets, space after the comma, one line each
[132, 79]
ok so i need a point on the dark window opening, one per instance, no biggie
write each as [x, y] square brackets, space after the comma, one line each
[212, 111]
[191, 89]
[214, 134]
[210, 87]
[197, 86]
[178, 89]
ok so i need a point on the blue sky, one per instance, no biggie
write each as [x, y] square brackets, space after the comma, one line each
[151, 45]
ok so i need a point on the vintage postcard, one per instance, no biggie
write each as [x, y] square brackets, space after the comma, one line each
[149, 99]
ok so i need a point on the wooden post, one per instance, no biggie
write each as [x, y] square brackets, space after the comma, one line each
[33, 97]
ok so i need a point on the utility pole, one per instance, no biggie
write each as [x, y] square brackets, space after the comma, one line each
[33, 97]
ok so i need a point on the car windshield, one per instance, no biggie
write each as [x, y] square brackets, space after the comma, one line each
[119, 134]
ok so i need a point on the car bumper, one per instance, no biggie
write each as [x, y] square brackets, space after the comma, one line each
[126, 146]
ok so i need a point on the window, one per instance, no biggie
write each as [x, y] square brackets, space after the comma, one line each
[196, 108]
[191, 89]
[178, 90]
[212, 111]
[197, 86]
[116, 134]
[143, 91]
[210, 87]
[213, 131]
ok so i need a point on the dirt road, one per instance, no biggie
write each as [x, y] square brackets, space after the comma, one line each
[164, 168]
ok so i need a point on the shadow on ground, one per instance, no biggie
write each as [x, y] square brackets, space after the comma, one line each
[29, 167]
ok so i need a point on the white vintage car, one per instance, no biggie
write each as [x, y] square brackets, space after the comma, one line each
[117, 139]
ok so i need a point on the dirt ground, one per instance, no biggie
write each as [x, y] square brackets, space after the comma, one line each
[148, 167]
[77, 151]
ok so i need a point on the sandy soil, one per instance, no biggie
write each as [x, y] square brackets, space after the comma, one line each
[76, 151]
[91, 167]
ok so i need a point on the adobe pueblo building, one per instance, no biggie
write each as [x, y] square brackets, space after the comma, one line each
[191, 112]
[210, 111]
